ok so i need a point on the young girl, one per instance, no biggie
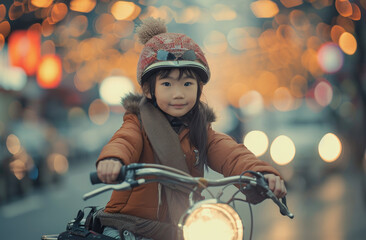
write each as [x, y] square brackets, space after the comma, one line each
[172, 71]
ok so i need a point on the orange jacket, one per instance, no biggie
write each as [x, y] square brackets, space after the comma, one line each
[131, 145]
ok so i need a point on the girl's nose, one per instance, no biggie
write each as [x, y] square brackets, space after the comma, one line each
[178, 92]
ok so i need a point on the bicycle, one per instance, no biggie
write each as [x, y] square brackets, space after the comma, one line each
[203, 214]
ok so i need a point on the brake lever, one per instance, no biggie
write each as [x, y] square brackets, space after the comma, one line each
[263, 183]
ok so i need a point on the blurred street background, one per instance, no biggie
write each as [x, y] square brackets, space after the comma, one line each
[288, 80]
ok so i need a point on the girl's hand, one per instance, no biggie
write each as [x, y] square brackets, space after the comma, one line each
[276, 184]
[108, 170]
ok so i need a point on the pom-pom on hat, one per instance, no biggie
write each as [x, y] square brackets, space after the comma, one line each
[167, 50]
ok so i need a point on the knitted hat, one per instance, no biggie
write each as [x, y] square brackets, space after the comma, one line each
[167, 50]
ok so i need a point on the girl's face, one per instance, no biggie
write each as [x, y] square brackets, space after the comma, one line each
[176, 96]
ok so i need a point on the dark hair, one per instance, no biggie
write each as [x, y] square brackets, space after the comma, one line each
[196, 117]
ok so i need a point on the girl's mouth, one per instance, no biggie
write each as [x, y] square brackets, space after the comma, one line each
[178, 105]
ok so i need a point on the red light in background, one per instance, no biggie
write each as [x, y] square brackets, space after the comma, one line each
[24, 49]
[49, 72]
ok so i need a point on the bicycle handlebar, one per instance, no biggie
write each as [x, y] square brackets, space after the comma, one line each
[128, 174]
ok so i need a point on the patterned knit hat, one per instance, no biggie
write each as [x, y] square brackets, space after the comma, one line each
[167, 50]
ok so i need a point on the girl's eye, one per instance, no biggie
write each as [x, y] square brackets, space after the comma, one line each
[166, 84]
[188, 84]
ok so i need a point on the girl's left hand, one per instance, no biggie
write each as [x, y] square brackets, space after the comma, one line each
[276, 184]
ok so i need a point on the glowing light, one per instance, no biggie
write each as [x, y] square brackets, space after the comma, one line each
[49, 73]
[13, 78]
[344, 7]
[251, 103]
[122, 10]
[42, 3]
[76, 113]
[103, 23]
[48, 47]
[18, 168]
[240, 39]
[58, 163]
[113, 88]
[189, 15]
[84, 6]
[336, 32]
[82, 84]
[2, 12]
[5, 28]
[2, 41]
[213, 221]
[298, 86]
[47, 27]
[323, 93]
[221, 12]
[25, 50]
[16, 10]
[282, 99]
[256, 142]
[264, 9]
[13, 144]
[235, 92]
[59, 11]
[98, 112]
[356, 12]
[215, 42]
[299, 20]
[282, 150]
[291, 3]
[78, 25]
[330, 147]
[348, 43]
[330, 58]
[123, 28]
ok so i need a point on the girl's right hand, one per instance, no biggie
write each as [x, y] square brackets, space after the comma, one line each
[108, 170]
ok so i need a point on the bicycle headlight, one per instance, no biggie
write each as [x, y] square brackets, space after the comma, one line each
[212, 220]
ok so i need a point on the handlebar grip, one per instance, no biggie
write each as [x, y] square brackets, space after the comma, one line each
[94, 179]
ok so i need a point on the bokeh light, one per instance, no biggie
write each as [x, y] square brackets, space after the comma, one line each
[123, 10]
[83, 6]
[16, 10]
[58, 163]
[291, 3]
[330, 58]
[42, 3]
[282, 99]
[2, 12]
[18, 168]
[13, 79]
[264, 8]
[13, 144]
[24, 50]
[222, 12]
[348, 43]
[49, 72]
[251, 103]
[215, 42]
[282, 150]
[323, 93]
[330, 147]
[113, 88]
[257, 142]
[98, 112]
[343, 7]
[5, 28]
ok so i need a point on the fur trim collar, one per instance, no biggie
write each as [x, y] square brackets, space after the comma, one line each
[131, 104]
